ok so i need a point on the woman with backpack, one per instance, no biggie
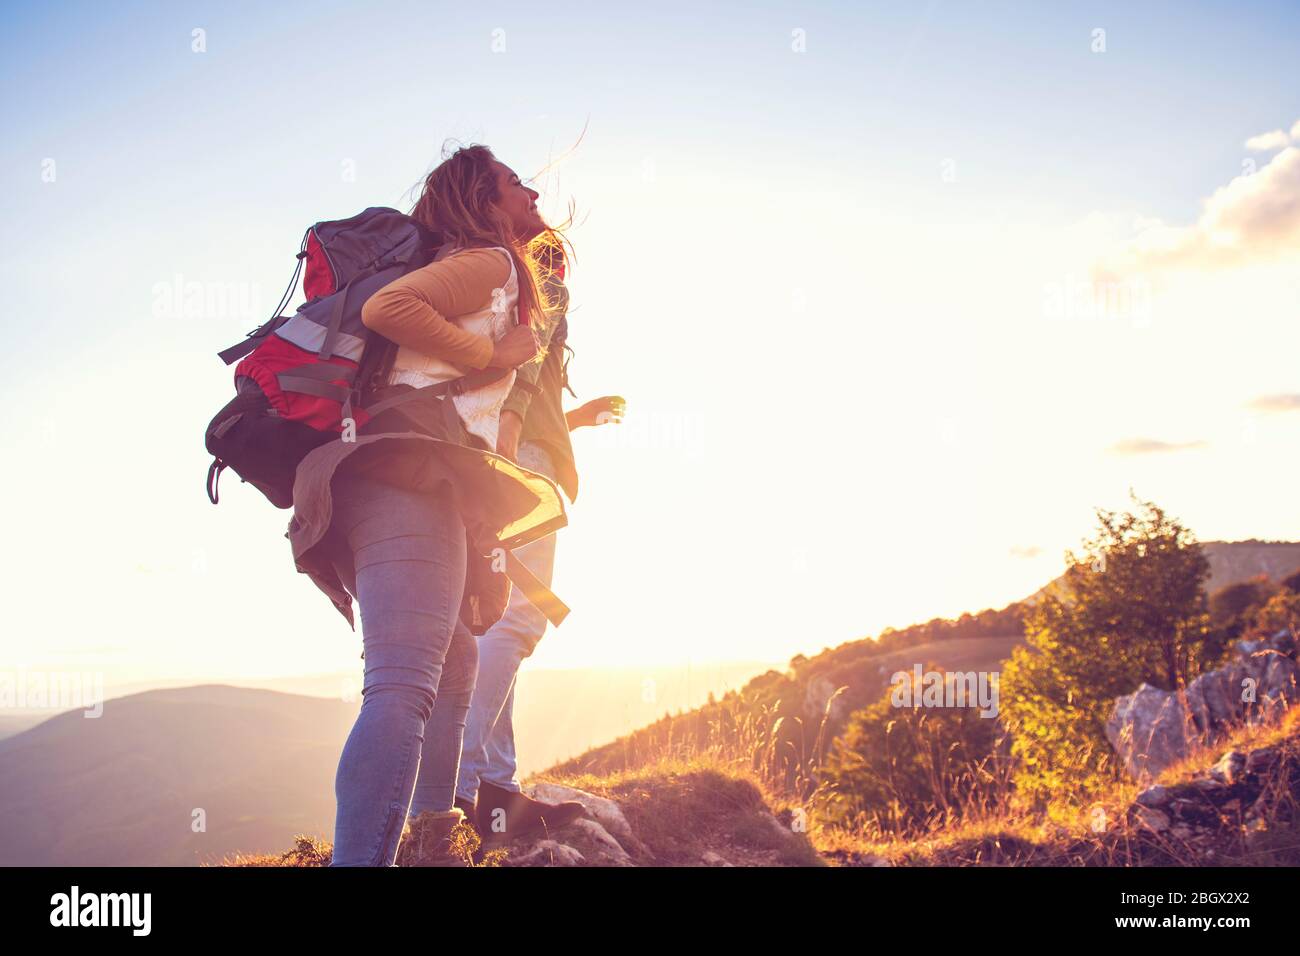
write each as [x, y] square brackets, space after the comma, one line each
[386, 517]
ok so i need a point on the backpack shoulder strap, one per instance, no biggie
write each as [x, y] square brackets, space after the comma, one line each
[453, 386]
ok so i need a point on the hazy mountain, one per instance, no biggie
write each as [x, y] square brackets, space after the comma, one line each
[1233, 561]
[124, 788]
[15, 722]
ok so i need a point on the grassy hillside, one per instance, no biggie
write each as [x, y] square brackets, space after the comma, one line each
[711, 812]
[784, 719]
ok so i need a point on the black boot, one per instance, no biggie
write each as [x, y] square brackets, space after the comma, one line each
[505, 814]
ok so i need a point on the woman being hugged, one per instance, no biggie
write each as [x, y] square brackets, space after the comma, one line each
[385, 518]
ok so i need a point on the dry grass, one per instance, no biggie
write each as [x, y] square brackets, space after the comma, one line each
[307, 851]
[1066, 834]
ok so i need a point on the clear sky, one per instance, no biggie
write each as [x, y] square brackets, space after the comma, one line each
[843, 260]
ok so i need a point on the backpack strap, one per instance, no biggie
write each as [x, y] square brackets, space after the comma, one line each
[252, 340]
[214, 478]
[317, 380]
[538, 594]
[454, 386]
[390, 272]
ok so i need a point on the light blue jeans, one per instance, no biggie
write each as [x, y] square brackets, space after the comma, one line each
[488, 753]
[407, 572]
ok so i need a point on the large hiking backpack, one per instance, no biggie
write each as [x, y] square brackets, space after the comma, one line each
[301, 377]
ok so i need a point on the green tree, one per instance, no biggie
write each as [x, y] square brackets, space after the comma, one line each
[1281, 612]
[1232, 604]
[1132, 609]
[1231, 610]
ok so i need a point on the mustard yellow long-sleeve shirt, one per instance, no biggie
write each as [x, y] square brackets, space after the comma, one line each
[416, 310]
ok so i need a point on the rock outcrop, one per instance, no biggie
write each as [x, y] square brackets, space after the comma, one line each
[1151, 729]
[1238, 798]
[605, 837]
[605, 815]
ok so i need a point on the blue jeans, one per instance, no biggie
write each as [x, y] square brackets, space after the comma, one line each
[489, 748]
[407, 572]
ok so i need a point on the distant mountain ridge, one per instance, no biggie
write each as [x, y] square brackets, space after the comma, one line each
[1233, 561]
[11, 724]
[170, 777]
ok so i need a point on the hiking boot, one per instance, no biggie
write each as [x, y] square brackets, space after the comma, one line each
[437, 838]
[505, 814]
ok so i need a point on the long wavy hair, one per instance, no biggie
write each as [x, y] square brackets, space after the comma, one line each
[458, 203]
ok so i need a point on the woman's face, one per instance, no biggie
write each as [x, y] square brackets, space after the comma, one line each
[519, 203]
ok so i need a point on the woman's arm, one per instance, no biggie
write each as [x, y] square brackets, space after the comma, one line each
[416, 309]
[598, 411]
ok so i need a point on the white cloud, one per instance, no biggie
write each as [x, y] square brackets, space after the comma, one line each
[1267, 142]
[1295, 131]
[1277, 403]
[1253, 217]
[1147, 446]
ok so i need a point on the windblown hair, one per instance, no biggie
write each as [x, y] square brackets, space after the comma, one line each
[458, 202]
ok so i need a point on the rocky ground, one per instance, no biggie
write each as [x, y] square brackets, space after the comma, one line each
[1237, 806]
[607, 835]
[672, 816]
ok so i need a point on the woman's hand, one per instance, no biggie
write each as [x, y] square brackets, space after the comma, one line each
[509, 429]
[598, 411]
[515, 348]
